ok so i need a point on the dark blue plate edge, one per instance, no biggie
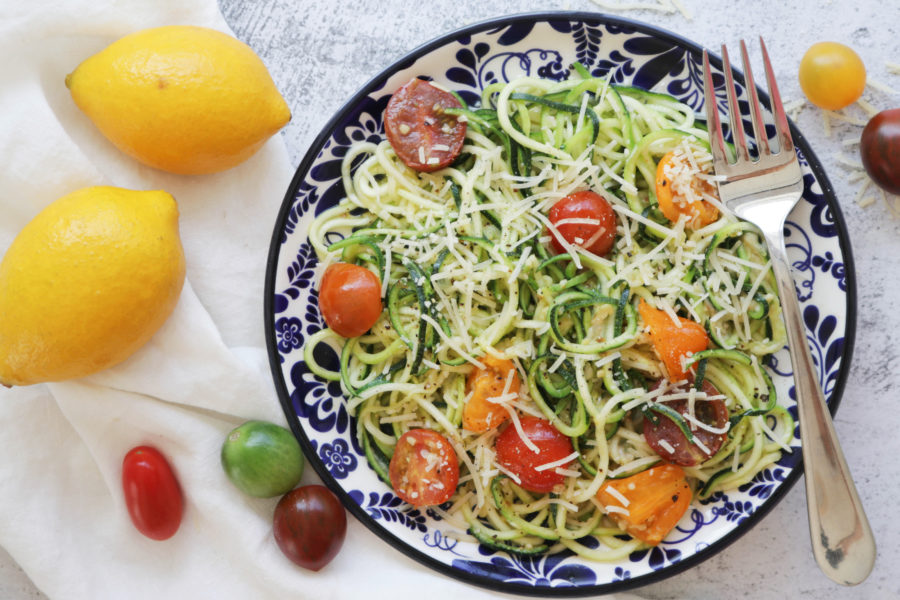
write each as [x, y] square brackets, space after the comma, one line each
[360, 514]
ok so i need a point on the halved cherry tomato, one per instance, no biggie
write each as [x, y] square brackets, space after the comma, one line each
[152, 493]
[672, 343]
[350, 299]
[569, 216]
[421, 133]
[657, 499]
[424, 469]
[309, 526]
[480, 414]
[832, 75]
[514, 454]
[673, 198]
[879, 148]
[669, 442]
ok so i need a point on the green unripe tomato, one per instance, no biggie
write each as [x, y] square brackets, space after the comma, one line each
[262, 459]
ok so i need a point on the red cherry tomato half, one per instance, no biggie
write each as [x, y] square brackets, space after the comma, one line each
[584, 219]
[152, 493]
[669, 442]
[350, 299]
[310, 526]
[421, 133]
[514, 454]
[879, 148]
[424, 469]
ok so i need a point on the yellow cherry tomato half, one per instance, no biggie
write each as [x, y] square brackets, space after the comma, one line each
[832, 75]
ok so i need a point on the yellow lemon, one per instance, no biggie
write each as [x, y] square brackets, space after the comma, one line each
[183, 99]
[87, 282]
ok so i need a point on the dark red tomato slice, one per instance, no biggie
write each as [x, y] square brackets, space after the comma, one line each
[570, 215]
[152, 493]
[421, 133]
[424, 469]
[310, 526]
[879, 149]
[350, 299]
[514, 454]
[669, 442]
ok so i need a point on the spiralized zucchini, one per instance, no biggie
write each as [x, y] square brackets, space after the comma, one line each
[463, 256]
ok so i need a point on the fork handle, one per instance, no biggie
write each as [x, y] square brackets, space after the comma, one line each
[842, 540]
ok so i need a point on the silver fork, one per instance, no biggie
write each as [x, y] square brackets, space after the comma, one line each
[763, 191]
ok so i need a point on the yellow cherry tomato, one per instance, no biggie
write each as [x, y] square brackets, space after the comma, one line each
[832, 75]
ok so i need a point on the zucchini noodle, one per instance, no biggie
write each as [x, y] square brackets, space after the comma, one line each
[463, 256]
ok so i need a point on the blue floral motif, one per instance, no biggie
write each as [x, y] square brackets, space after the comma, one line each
[826, 349]
[537, 62]
[621, 574]
[829, 264]
[390, 508]
[301, 271]
[764, 483]
[314, 401]
[698, 521]
[804, 276]
[289, 331]
[338, 458]
[735, 511]
[540, 571]
[657, 556]
[439, 541]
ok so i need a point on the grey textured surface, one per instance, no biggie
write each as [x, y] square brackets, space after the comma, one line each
[321, 51]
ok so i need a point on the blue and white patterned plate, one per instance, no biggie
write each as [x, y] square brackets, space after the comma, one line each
[542, 45]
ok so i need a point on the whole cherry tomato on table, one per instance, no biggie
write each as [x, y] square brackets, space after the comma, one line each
[879, 149]
[516, 455]
[584, 219]
[832, 75]
[424, 469]
[310, 526]
[350, 299]
[423, 135]
[152, 493]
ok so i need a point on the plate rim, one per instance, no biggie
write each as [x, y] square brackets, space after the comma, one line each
[355, 509]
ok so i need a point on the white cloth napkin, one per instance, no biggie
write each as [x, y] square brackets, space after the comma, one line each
[62, 516]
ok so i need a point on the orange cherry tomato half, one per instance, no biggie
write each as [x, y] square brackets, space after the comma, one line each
[657, 499]
[673, 342]
[584, 219]
[832, 75]
[350, 299]
[152, 494]
[514, 454]
[424, 469]
[673, 200]
[479, 413]
[667, 440]
[420, 132]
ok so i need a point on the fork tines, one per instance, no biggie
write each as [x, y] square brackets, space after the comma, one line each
[742, 151]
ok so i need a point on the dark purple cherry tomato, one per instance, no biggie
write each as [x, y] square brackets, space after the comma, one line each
[879, 148]
[669, 442]
[310, 526]
[152, 493]
[421, 133]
